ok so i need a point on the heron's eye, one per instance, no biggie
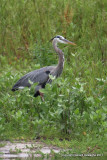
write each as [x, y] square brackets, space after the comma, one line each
[58, 37]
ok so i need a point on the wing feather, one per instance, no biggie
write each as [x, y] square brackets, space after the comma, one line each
[40, 75]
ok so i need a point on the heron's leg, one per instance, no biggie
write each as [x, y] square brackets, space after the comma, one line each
[37, 91]
[41, 95]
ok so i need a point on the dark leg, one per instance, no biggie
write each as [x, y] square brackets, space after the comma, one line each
[38, 93]
[41, 95]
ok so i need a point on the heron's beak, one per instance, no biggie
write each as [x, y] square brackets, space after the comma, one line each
[69, 42]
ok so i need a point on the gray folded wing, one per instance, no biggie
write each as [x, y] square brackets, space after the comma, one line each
[41, 76]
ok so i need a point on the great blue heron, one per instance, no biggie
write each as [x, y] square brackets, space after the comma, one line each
[41, 76]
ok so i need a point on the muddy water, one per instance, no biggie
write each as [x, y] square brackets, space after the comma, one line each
[24, 150]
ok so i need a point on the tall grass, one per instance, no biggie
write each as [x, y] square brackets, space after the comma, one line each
[24, 23]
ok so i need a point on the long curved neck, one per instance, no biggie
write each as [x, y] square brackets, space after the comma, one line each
[60, 65]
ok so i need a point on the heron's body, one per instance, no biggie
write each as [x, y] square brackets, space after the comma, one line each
[41, 76]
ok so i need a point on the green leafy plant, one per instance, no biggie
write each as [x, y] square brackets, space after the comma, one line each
[75, 104]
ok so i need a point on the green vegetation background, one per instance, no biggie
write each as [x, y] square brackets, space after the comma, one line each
[76, 103]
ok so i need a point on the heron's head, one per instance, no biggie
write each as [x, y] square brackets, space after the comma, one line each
[61, 39]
